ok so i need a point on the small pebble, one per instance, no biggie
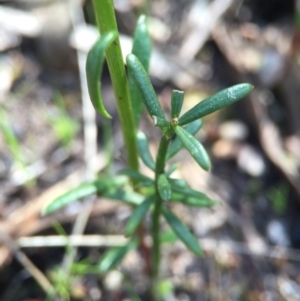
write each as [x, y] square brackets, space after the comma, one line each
[251, 161]
[224, 149]
[277, 233]
[113, 280]
[233, 130]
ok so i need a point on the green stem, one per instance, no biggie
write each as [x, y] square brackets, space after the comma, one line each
[105, 15]
[159, 169]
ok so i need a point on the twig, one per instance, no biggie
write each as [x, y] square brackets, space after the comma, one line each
[40, 278]
[72, 240]
[208, 245]
[204, 24]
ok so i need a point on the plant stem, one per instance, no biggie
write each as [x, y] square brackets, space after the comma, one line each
[105, 15]
[159, 169]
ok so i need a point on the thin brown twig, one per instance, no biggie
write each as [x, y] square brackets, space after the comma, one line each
[208, 244]
[37, 274]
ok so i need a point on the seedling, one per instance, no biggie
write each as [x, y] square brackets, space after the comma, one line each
[146, 195]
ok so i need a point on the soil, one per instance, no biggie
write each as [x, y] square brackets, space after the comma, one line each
[251, 240]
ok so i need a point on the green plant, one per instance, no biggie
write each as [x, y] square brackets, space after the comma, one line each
[146, 194]
[11, 140]
[278, 197]
[64, 126]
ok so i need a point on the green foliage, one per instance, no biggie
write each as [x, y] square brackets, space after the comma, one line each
[164, 187]
[11, 139]
[62, 285]
[278, 197]
[144, 152]
[164, 288]
[144, 86]
[182, 232]
[138, 215]
[194, 147]
[142, 50]
[176, 103]
[65, 127]
[115, 187]
[94, 66]
[218, 101]
[176, 144]
[150, 195]
[115, 255]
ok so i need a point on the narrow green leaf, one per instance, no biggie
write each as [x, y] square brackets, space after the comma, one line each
[84, 190]
[114, 256]
[178, 183]
[134, 175]
[176, 144]
[203, 203]
[164, 188]
[181, 192]
[193, 201]
[94, 66]
[142, 42]
[219, 100]
[125, 196]
[187, 191]
[142, 50]
[176, 103]
[182, 232]
[144, 86]
[143, 148]
[137, 215]
[194, 147]
[73, 195]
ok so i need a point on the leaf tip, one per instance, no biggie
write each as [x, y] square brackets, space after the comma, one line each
[141, 19]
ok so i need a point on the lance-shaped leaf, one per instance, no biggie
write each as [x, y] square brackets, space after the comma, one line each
[219, 100]
[134, 175]
[84, 190]
[138, 215]
[203, 203]
[164, 187]
[178, 183]
[176, 103]
[114, 256]
[143, 148]
[125, 196]
[194, 147]
[94, 66]
[144, 86]
[182, 232]
[183, 193]
[142, 42]
[176, 144]
[193, 201]
[141, 49]
[73, 195]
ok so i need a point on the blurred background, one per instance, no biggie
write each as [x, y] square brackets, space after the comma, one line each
[51, 140]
